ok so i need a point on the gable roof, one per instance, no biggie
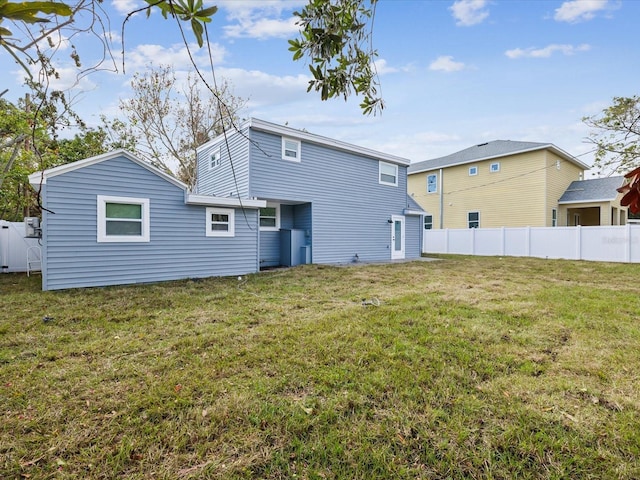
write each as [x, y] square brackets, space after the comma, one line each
[488, 151]
[592, 190]
[268, 127]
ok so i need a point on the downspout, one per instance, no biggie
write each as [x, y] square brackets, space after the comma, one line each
[441, 201]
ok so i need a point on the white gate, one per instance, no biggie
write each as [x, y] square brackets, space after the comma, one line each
[17, 253]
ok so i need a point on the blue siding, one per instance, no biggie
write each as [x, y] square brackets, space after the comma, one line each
[269, 249]
[413, 236]
[349, 207]
[231, 178]
[178, 248]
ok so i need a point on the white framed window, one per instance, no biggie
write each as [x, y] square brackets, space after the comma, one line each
[220, 222]
[387, 174]
[473, 219]
[554, 217]
[428, 222]
[494, 167]
[214, 160]
[432, 183]
[122, 219]
[270, 217]
[473, 171]
[290, 149]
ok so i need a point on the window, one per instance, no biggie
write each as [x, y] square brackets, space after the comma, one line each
[554, 217]
[290, 149]
[220, 222]
[215, 159]
[494, 167]
[270, 217]
[388, 174]
[473, 219]
[473, 171]
[122, 219]
[428, 222]
[432, 183]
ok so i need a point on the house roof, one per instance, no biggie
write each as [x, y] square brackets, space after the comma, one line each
[592, 190]
[488, 151]
[413, 207]
[261, 125]
[40, 178]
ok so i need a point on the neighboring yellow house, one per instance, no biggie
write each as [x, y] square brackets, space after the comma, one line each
[508, 183]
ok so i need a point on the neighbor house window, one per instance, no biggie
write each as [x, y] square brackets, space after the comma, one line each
[473, 171]
[554, 217]
[270, 217]
[473, 219]
[290, 149]
[220, 222]
[432, 183]
[388, 174]
[123, 219]
[494, 167]
[215, 159]
[428, 222]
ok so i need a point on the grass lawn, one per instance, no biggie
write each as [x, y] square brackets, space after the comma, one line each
[469, 367]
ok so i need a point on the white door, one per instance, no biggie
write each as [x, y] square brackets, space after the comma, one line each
[397, 237]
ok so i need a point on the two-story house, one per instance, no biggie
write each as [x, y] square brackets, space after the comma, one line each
[507, 183]
[267, 195]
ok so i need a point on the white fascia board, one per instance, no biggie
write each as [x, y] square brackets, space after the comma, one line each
[601, 200]
[38, 178]
[408, 211]
[211, 201]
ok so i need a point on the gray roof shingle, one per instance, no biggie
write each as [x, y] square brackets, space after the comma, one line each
[594, 189]
[486, 151]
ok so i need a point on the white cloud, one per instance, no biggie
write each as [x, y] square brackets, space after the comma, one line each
[175, 55]
[262, 89]
[445, 63]
[382, 68]
[126, 6]
[261, 28]
[574, 11]
[250, 19]
[469, 12]
[546, 51]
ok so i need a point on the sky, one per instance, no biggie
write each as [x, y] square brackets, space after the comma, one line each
[453, 74]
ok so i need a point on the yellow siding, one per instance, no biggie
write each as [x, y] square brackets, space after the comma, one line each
[560, 173]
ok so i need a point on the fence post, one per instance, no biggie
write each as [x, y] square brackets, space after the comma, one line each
[473, 241]
[578, 242]
[446, 240]
[627, 245]
[528, 250]
[503, 241]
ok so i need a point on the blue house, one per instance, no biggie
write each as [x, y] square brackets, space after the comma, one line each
[327, 201]
[266, 196]
[114, 219]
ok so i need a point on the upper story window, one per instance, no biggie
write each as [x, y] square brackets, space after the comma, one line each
[554, 217]
[428, 222]
[388, 174]
[473, 171]
[290, 149]
[270, 217]
[494, 167]
[123, 219]
[473, 219]
[432, 183]
[220, 222]
[214, 160]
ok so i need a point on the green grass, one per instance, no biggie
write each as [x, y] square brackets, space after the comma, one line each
[492, 368]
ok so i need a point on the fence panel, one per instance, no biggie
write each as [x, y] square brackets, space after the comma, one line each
[14, 248]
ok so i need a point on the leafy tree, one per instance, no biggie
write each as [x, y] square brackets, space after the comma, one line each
[616, 136]
[168, 123]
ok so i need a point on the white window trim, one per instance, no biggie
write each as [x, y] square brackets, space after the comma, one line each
[554, 217]
[491, 169]
[475, 171]
[298, 149]
[231, 232]
[277, 227]
[436, 184]
[216, 152]
[469, 220]
[424, 222]
[382, 182]
[102, 236]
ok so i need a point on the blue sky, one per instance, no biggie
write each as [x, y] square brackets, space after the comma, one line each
[452, 73]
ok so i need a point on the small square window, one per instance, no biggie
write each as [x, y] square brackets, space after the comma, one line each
[432, 183]
[220, 222]
[388, 174]
[494, 167]
[428, 222]
[290, 149]
[270, 217]
[122, 219]
[473, 171]
[215, 159]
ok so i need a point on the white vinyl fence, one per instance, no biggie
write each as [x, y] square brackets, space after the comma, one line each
[605, 244]
[17, 253]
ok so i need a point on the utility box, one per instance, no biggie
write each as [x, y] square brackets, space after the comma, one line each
[32, 227]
